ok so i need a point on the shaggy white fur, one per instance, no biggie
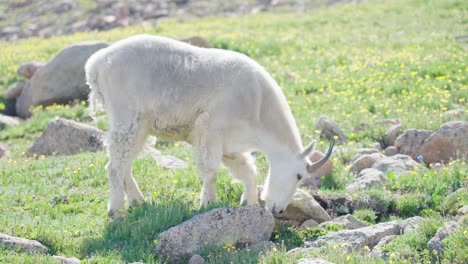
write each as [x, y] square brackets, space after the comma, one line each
[222, 102]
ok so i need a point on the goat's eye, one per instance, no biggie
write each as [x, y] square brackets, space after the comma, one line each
[299, 176]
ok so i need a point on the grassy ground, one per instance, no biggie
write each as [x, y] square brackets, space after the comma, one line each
[354, 63]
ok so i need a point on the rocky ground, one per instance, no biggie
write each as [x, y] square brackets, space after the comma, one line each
[45, 18]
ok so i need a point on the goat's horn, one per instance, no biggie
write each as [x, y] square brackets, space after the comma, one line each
[312, 167]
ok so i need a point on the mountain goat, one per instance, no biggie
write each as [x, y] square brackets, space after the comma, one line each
[222, 102]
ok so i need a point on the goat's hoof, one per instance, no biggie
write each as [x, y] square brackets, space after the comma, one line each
[116, 214]
[136, 202]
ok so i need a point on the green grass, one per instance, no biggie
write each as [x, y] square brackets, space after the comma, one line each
[354, 63]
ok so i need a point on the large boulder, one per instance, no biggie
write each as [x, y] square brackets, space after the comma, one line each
[67, 137]
[61, 80]
[219, 227]
[22, 244]
[409, 143]
[329, 129]
[449, 142]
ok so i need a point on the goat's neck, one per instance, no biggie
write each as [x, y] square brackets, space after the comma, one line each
[279, 149]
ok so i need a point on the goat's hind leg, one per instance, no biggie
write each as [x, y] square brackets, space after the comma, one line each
[124, 144]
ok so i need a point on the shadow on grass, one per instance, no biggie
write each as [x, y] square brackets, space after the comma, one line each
[133, 238]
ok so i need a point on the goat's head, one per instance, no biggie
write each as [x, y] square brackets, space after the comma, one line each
[285, 176]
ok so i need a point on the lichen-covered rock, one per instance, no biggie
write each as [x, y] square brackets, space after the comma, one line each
[67, 137]
[411, 224]
[309, 224]
[22, 244]
[237, 226]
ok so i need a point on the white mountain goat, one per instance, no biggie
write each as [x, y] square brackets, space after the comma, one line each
[222, 102]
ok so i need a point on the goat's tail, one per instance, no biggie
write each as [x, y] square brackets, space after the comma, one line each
[96, 99]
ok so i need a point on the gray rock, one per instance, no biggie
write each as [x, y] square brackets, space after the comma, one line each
[22, 244]
[455, 113]
[65, 260]
[409, 143]
[391, 135]
[329, 129]
[436, 243]
[14, 90]
[314, 261]
[385, 241]
[304, 207]
[463, 211]
[367, 179]
[412, 223]
[3, 150]
[345, 221]
[364, 151]
[8, 121]
[365, 161]
[309, 224]
[61, 80]
[67, 137]
[237, 226]
[377, 252]
[449, 142]
[357, 238]
[391, 151]
[196, 259]
[27, 70]
[399, 164]
[169, 162]
[263, 246]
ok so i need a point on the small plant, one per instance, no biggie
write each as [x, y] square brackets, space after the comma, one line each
[366, 215]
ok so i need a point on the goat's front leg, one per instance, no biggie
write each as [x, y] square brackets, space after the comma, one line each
[208, 155]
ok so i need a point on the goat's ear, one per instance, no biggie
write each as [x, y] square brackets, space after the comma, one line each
[306, 152]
